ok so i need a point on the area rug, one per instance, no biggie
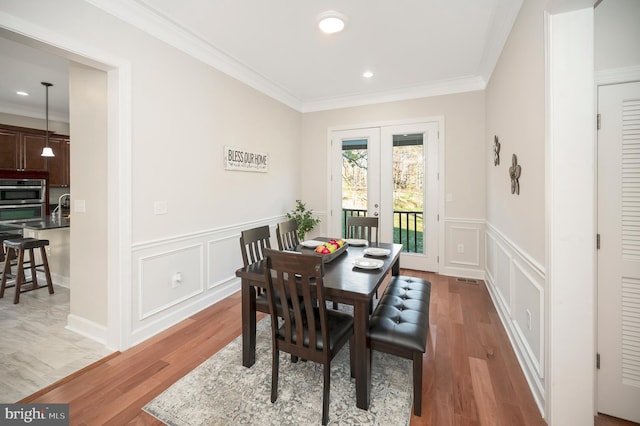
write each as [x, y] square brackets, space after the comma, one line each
[221, 391]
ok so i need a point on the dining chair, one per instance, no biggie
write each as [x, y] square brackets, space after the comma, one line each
[253, 242]
[362, 227]
[287, 233]
[311, 331]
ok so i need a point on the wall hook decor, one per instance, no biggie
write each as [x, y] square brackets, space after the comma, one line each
[514, 172]
[496, 151]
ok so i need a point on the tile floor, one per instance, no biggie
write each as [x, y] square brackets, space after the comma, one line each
[36, 349]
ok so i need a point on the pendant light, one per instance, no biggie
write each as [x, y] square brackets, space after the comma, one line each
[47, 151]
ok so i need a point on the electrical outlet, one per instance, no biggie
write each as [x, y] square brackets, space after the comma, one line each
[528, 319]
[460, 248]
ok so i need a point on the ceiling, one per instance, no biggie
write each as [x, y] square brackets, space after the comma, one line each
[414, 48]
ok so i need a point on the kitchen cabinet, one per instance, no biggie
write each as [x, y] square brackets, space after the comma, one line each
[9, 149]
[20, 150]
[31, 146]
[58, 166]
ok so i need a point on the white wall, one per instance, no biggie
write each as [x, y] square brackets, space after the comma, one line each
[516, 244]
[617, 34]
[169, 116]
[463, 175]
[88, 173]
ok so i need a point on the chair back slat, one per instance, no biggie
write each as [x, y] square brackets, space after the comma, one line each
[298, 277]
[253, 243]
[363, 227]
[287, 233]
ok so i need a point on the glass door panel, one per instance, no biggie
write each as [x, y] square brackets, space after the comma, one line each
[409, 176]
[408, 191]
[355, 176]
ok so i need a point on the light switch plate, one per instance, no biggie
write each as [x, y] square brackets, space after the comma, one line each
[159, 207]
[79, 206]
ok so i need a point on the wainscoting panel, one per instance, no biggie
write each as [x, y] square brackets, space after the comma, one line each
[516, 283]
[463, 248]
[174, 278]
[504, 282]
[222, 253]
[528, 313]
[169, 278]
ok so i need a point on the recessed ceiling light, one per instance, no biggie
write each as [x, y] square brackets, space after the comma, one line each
[367, 74]
[22, 93]
[331, 22]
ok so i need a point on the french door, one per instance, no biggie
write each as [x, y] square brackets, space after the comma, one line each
[390, 172]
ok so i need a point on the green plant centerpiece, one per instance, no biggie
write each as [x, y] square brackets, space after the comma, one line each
[306, 222]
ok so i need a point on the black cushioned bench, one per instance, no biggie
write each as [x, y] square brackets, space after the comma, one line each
[399, 325]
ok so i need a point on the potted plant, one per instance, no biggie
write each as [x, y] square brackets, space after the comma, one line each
[303, 218]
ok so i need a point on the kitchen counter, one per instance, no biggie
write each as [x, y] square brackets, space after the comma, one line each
[57, 232]
[41, 225]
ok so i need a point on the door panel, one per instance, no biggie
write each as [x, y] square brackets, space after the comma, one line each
[355, 176]
[409, 188]
[619, 253]
[390, 172]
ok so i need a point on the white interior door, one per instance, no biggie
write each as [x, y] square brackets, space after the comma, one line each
[390, 172]
[619, 254]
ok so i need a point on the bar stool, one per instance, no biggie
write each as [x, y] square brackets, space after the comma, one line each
[17, 248]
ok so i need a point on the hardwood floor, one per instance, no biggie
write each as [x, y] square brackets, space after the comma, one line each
[471, 375]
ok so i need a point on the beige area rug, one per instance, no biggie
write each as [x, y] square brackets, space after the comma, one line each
[221, 391]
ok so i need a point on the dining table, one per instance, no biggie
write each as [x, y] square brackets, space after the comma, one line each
[345, 283]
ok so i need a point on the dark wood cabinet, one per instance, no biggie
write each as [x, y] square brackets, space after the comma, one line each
[9, 150]
[58, 166]
[20, 150]
[31, 146]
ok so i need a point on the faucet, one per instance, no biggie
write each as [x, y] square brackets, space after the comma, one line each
[58, 209]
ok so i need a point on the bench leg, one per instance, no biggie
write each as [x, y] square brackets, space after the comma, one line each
[417, 383]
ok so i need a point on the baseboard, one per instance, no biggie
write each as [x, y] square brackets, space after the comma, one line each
[462, 272]
[86, 328]
[185, 311]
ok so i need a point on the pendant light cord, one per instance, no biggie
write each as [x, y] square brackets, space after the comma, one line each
[48, 153]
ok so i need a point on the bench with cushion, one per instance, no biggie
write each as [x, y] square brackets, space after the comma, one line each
[399, 325]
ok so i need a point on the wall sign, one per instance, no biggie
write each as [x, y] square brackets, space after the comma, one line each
[246, 161]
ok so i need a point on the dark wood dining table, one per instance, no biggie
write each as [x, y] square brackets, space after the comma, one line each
[344, 283]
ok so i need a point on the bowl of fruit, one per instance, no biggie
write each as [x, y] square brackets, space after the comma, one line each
[331, 249]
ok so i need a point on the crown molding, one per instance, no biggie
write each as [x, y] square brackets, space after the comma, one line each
[444, 87]
[135, 13]
[147, 20]
[25, 111]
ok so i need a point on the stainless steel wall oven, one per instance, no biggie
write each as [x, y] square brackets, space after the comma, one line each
[22, 200]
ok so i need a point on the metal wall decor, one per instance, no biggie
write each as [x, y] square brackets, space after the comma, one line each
[496, 151]
[514, 172]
